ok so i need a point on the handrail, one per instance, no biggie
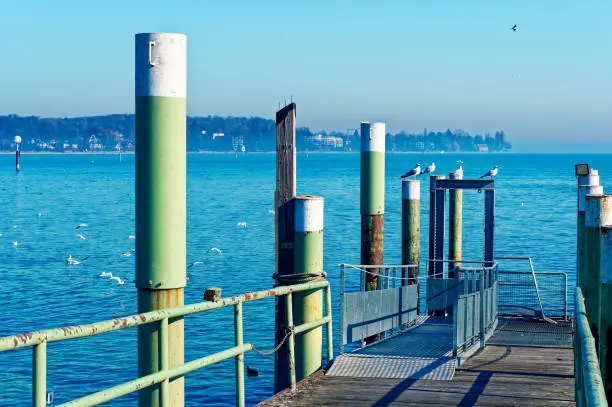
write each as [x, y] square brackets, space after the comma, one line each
[589, 385]
[39, 340]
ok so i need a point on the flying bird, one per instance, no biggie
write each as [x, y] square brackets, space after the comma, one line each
[430, 169]
[514, 27]
[80, 236]
[413, 172]
[195, 263]
[70, 260]
[252, 372]
[491, 173]
[241, 224]
[214, 250]
[81, 225]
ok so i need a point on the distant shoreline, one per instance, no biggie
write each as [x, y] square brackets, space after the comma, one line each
[246, 153]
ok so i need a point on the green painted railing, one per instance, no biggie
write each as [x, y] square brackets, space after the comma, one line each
[589, 385]
[39, 341]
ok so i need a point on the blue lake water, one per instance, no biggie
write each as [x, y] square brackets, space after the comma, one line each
[41, 206]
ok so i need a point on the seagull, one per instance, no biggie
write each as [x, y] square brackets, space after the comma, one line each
[70, 260]
[514, 27]
[131, 237]
[195, 263]
[15, 244]
[491, 173]
[458, 173]
[413, 172]
[214, 250]
[128, 254]
[105, 274]
[81, 236]
[39, 214]
[271, 211]
[81, 225]
[118, 280]
[430, 169]
[241, 224]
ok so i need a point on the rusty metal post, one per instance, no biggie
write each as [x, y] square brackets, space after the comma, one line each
[584, 182]
[284, 233]
[411, 230]
[308, 260]
[161, 86]
[598, 213]
[455, 225]
[372, 201]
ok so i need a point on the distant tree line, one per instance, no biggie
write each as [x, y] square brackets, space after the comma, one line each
[214, 133]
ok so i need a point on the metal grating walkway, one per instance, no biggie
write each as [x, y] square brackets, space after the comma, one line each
[421, 352]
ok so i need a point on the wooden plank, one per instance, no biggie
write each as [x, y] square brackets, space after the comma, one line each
[283, 226]
[496, 376]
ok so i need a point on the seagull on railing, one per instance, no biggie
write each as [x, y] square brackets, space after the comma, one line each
[491, 173]
[430, 169]
[413, 172]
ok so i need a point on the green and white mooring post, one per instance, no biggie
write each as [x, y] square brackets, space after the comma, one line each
[455, 225]
[587, 184]
[605, 340]
[161, 87]
[308, 260]
[598, 213]
[372, 198]
[411, 230]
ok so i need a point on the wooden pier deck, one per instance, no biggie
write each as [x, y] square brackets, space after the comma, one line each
[524, 363]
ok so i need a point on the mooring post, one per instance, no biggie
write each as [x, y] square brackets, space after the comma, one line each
[372, 198]
[161, 87]
[411, 230]
[598, 214]
[284, 231]
[455, 225]
[308, 260]
[605, 340]
[585, 182]
[581, 275]
[17, 153]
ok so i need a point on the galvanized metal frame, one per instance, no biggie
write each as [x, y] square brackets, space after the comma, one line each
[438, 193]
[386, 274]
[39, 339]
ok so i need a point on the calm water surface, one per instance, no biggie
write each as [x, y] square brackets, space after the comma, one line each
[41, 206]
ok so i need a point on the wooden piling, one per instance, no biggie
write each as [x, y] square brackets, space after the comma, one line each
[592, 179]
[284, 231]
[605, 342]
[161, 86]
[411, 230]
[598, 214]
[308, 305]
[455, 225]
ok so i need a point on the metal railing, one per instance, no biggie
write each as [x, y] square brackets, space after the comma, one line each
[388, 278]
[520, 291]
[475, 310]
[588, 384]
[40, 339]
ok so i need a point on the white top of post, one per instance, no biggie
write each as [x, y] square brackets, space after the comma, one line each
[373, 137]
[583, 191]
[598, 211]
[411, 189]
[591, 179]
[308, 214]
[161, 65]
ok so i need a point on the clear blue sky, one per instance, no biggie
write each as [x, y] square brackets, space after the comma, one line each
[412, 64]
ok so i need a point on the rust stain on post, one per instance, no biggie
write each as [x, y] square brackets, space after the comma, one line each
[372, 230]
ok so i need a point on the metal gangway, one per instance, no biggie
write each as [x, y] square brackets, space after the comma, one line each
[426, 326]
